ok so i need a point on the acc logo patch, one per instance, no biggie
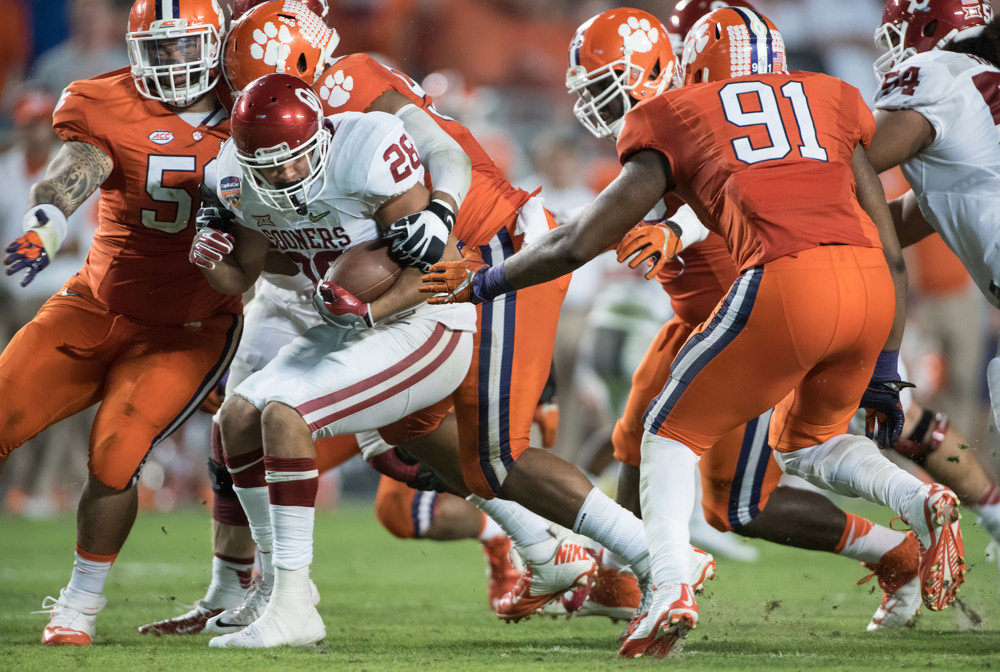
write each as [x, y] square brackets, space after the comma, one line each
[230, 189]
[161, 137]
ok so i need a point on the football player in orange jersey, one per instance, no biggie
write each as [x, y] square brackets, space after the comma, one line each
[740, 479]
[816, 312]
[491, 219]
[138, 329]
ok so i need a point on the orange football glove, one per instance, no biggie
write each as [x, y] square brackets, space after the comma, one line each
[454, 281]
[655, 244]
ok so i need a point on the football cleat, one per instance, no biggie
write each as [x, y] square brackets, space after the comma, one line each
[672, 614]
[501, 574]
[942, 561]
[188, 623]
[615, 595]
[702, 570]
[252, 608]
[570, 566]
[290, 617]
[897, 576]
[73, 618]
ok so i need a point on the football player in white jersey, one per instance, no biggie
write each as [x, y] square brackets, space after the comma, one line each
[937, 114]
[313, 187]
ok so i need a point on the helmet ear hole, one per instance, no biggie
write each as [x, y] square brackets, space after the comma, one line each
[930, 28]
[301, 65]
[718, 31]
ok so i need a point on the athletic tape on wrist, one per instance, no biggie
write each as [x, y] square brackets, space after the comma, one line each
[49, 223]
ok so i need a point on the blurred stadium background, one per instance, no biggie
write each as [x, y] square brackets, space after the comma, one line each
[499, 68]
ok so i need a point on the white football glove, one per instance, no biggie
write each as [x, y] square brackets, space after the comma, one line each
[420, 239]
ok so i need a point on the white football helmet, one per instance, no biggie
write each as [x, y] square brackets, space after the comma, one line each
[913, 26]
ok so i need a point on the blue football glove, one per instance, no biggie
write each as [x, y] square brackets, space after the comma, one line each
[883, 411]
[26, 252]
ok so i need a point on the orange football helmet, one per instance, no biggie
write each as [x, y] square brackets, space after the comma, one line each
[687, 12]
[282, 36]
[731, 42]
[174, 48]
[616, 59]
[320, 7]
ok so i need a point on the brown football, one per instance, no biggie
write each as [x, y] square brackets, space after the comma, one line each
[365, 270]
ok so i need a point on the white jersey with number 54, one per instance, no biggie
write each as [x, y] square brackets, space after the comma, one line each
[957, 178]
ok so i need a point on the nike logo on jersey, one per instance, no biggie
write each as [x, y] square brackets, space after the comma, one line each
[315, 218]
[65, 293]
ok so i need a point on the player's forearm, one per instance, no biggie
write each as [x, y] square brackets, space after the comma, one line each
[551, 256]
[871, 197]
[75, 173]
[228, 277]
[403, 295]
[447, 163]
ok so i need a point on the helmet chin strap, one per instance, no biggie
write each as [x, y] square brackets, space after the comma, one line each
[300, 205]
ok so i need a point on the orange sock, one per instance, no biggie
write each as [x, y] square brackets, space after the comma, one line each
[865, 541]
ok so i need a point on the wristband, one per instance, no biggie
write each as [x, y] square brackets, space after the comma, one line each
[887, 365]
[49, 223]
[493, 283]
[443, 211]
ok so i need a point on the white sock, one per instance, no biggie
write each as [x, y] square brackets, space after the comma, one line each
[666, 493]
[293, 536]
[291, 588]
[256, 503]
[230, 581]
[528, 531]
[853, 466]
[490, 529]
[612, 526]
[89, 575]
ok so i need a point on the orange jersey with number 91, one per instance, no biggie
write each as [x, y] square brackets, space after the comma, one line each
[138, 263]
[766, 161]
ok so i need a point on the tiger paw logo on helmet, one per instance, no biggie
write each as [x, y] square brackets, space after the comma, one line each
[268, 49]
[639, 35]
[336, 88]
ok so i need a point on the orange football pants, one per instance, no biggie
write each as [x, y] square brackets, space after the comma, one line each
[512, 354]
[800, 333]
[149, 380]
[738, 474]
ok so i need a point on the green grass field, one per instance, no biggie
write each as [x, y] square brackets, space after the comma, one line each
[420, 605]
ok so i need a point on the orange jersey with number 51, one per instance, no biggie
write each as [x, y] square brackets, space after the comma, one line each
[138, 263]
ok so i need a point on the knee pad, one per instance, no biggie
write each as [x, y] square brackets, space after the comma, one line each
[221, 479]
[926, 437]
[226, 507]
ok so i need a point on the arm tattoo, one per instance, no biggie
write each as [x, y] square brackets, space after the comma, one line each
[72, 176]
